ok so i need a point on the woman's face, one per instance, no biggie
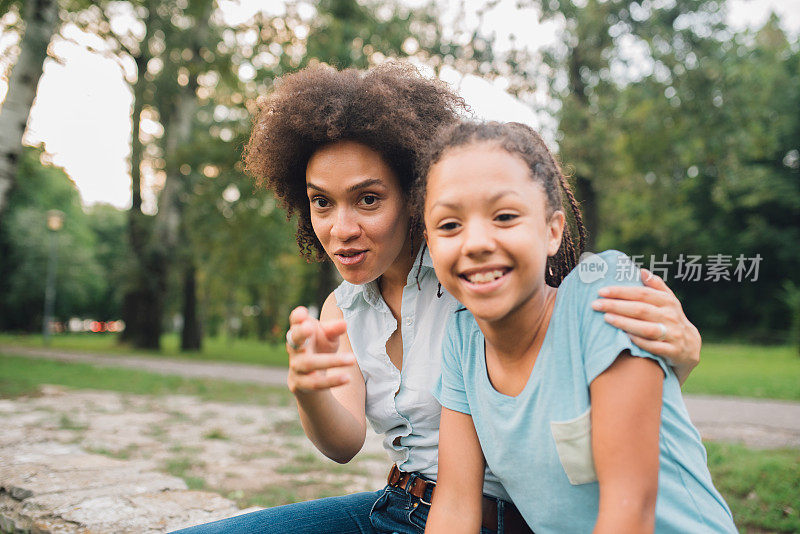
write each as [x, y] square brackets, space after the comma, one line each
[358, 210]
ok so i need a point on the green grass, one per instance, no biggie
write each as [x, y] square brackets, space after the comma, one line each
[761, 487]
[747, 371]
[300, 490]
[725, 369]
[21, 376]
[182, 467]
[214, 349]
[216, 434]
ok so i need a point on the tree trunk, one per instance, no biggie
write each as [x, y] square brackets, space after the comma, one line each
[191, 335]
[41, 19]
[175, 226]
[136, 300]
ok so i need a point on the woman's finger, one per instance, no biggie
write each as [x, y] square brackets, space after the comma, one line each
[298, 315]
[299, 334]
[644, 329]
[652, 296]
[308, 363]
[318, 381]
[629, 308]
[333, 329]
[659, 348]
[654, 281]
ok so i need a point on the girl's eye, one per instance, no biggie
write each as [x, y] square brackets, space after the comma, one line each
[369, 200]
[448, 226]
[506, 217]
[319, 202]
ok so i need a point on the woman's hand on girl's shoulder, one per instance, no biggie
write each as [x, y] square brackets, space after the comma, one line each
[654, 319]
[314, 361]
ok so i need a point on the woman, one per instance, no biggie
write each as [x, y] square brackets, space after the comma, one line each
[340, 149]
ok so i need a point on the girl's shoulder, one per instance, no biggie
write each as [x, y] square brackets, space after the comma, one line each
[597, 270]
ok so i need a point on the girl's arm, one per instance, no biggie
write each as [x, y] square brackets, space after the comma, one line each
[626, 417]
[327, 382]
[638, 311]
[458, 498]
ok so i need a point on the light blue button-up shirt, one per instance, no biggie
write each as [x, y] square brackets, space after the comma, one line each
[399, 403]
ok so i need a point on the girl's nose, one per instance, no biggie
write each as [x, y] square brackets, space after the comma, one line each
[345, 226]
[478, 239]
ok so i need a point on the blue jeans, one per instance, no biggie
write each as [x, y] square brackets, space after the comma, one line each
[388, 511]
[348, 514]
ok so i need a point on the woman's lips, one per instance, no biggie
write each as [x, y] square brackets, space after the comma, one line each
[353, 259]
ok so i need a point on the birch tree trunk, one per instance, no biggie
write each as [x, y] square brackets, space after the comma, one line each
[41, 20]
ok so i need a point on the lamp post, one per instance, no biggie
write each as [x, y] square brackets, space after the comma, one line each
[55, 220]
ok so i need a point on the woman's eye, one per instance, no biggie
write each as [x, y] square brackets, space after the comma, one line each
[506, 217]
[369, 200]
[319, 202]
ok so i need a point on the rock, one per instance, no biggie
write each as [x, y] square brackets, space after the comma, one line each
[81, 492]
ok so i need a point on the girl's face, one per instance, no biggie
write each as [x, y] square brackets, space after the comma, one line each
[357, 210]
[488, 230]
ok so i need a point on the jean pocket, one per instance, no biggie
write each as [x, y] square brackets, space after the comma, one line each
[418, 515]
[574, 446]
[391, 513]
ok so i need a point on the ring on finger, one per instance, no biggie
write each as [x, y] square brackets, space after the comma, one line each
[663, 334]
[291, 343]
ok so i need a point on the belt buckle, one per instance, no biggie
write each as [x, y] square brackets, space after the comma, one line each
[422, 499]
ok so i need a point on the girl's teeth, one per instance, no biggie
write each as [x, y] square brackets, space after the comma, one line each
[485, 277]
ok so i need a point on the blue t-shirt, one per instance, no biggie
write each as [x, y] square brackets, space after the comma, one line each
[539, 442]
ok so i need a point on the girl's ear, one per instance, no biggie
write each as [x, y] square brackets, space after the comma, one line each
[425, 235]
[555, 231]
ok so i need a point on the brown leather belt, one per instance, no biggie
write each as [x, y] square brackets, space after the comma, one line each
[513, 523]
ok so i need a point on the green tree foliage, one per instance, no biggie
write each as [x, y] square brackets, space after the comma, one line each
[717, 173]
[682, 136]
[81, 280]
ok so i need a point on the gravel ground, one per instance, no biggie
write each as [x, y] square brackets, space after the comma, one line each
[65, 453]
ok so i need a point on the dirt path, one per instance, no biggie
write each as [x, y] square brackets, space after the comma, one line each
[755, 423]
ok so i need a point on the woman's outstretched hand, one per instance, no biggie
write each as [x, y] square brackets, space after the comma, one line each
[641, 312]
[315, 365]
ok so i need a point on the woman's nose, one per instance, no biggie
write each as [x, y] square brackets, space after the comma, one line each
[345, 226]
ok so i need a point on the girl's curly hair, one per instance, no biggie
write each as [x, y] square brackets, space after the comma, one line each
[391, 108]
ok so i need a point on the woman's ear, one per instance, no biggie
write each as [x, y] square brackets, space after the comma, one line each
[555, 231]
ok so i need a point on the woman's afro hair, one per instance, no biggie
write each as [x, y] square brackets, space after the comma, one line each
[391, 108]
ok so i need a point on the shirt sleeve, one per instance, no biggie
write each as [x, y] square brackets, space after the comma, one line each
[450, 390]
[602, 343]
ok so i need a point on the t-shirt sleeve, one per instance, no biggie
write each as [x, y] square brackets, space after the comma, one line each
[450, 390]
[602, 343]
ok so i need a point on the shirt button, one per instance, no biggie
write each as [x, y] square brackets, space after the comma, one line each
[409, 321]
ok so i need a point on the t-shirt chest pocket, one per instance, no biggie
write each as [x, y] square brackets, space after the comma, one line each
[573, 440]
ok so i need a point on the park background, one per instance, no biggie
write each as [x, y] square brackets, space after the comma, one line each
[678, 122]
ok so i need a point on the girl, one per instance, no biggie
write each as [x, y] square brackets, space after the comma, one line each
[583, 429]
[340, 149]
